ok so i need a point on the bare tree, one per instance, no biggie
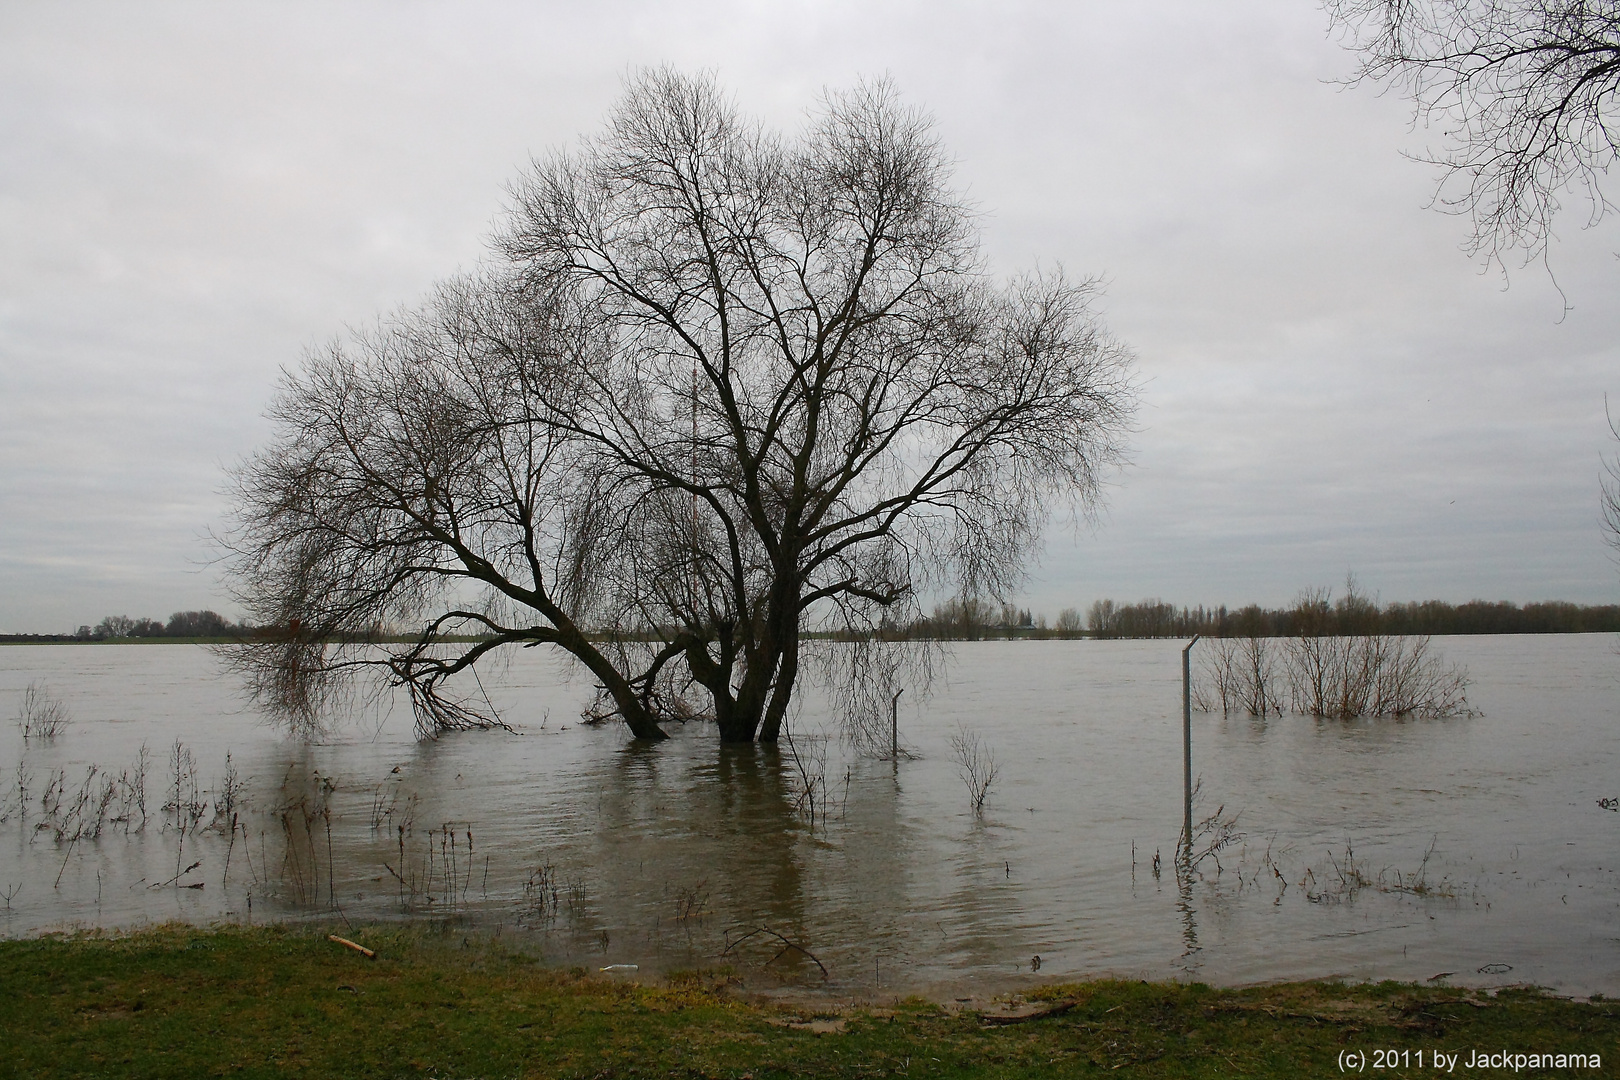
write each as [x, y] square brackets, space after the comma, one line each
[716, 387]
[1524, 91]
[114, 626]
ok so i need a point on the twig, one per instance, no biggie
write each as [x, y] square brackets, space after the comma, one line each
[65, 859]
[177, 877]
[787, 945]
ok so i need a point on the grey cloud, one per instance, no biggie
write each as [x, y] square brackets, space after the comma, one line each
[192, 194]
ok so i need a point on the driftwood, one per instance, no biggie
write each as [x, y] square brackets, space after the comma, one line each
[356, 946]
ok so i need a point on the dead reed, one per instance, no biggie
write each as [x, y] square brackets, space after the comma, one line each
[436, 878]
[24, 780]
[185, 806]
[1213, 834]
[1340, 877]
[690, 903]
[71, 813]
[1350, 876]
[305, 821]
[229, 801]
[539, 902]
[385, 808]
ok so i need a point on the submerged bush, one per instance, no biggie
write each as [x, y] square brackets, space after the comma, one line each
[1335, 664]
[1339, 678]
[42, 715]
[1239, 674]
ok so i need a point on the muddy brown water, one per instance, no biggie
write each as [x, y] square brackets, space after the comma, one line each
[1375, 849]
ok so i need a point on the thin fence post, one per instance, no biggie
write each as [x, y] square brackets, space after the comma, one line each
[1186, 743]
[894, 725]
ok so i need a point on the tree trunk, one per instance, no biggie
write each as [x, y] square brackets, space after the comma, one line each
[641, 723]
[736, 721]
[787, 675]
[767, 686]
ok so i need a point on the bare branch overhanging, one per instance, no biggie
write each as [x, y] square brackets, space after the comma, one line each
[1523, 93]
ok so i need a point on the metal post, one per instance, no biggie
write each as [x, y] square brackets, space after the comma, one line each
[1186, 742]
[894, 725]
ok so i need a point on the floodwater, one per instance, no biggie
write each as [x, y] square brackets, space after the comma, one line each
[1374, 849]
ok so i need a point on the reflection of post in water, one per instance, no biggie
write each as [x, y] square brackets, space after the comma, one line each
[1189, 916]
[876, 858]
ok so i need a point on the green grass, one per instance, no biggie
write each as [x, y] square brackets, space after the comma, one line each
[182, 1002]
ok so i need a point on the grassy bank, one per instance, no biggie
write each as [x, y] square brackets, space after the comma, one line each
[287, 1002]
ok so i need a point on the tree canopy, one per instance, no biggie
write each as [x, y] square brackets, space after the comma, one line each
[1524, 92]
[713, 388]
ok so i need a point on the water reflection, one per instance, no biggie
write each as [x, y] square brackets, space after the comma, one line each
[689, 854]
[692, 841]
[1189, 961]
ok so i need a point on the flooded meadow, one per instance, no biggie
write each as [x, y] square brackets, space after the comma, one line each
[1479, 850]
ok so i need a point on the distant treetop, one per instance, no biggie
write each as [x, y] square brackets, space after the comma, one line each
[182, 624]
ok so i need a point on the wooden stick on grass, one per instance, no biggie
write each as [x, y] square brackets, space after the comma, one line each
[356, 946]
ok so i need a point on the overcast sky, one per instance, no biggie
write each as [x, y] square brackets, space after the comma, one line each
[191, 195]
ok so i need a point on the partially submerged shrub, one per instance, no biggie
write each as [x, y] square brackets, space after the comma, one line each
[1330, 677]
[1239, 675]
[976, 764]
[42, 716]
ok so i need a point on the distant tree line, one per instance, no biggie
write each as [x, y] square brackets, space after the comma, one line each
[973, 620]
[1314, 612]
[970, 620]
[182, 624]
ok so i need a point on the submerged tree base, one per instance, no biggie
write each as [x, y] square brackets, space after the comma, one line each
[180, 1001]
